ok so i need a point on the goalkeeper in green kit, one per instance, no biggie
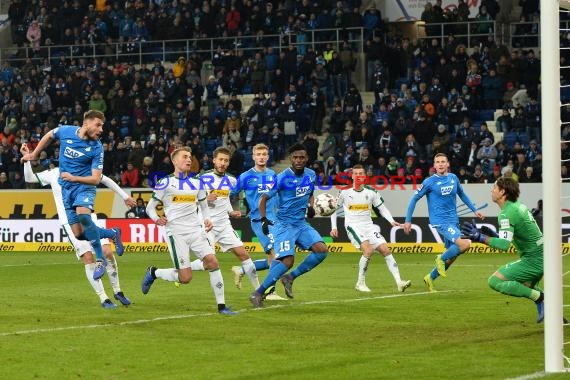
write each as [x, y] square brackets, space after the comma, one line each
[516, 225]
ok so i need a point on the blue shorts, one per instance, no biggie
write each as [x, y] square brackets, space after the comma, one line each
[287, 236]
[77, 195]
[450, 233]
[266, 241]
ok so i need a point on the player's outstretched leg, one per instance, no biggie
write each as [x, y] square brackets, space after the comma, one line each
[311, 261]
[98, 287]
[362, 268]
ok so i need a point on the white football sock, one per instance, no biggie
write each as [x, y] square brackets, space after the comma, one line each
[169, 274]
[362, 267]
[248, 267]
[393, 267]
[197, 265]
[97, 285]
[217, 284]
[113, 274]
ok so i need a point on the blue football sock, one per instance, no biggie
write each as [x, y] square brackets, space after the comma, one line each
[106, 233]
[434, 273]
[276, 270]
[451, 253]
[312, 260]
[261, 264]
[92, 234]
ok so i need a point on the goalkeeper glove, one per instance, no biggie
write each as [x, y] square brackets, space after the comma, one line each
[310, 212]
[489, 232]
[470, 231]
[265, 223]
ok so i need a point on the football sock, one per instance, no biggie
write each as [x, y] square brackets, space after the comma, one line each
[106, 233]
[312, 260]
[434, 273]
[169, 274]
[451, 252]
[393, 267]
[513, 288]
[197, 265]
[91, 232]
[276, 270]
[217, 284]
[261, 264]
[113, 272]
[248, 268]
[362, 268]
[97, 285]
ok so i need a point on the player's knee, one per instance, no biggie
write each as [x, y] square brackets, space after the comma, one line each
[84, 219]
[463, 244]
[184, 277]
[210, 262]
[241, 254]
[320, 248]
[494, 282]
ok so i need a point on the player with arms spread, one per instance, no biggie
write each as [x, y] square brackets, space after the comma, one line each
[180, 196]
[82, 247]
[441, 191]
[362, 232]
[294, 187]
[80, 166]
[519, 278]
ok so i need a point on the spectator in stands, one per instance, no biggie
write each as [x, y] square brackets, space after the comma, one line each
[130, 177]
[504, 123]
[138, 211]
[231, 131]
[4, 182]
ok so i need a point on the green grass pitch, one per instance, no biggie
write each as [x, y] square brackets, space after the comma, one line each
[53, 327]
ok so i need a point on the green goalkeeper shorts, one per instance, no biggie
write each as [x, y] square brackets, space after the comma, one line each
[522, 271]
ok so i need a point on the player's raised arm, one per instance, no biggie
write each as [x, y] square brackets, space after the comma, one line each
[42, 144]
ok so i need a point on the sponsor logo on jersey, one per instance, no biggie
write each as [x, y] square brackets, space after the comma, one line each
[72, 153]
[221, 193]
[183, 199]
[446, 190]
[302, 191]
[358, 207]
[505, 224]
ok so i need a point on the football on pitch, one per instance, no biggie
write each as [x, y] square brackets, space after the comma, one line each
[325, 204]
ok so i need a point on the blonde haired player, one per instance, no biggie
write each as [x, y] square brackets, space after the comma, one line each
[185, 229]
[220, 184]
[83, 249]
[362, 232]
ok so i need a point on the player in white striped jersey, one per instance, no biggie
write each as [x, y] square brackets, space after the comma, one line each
[219, 185]
[362, 232]
[186, 230]
[83, 248]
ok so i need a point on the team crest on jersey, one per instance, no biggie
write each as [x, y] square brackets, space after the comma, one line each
[72, 153]
[446, 190]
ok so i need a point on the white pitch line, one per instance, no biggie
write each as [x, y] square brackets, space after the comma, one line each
[536, 375]
[184, 316]
[30, 264]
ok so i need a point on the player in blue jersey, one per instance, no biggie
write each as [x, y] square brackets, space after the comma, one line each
[254, 183]
[441, 191]
[81, 165]
[294, 189]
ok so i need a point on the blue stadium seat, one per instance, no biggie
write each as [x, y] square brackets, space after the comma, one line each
[510, 138]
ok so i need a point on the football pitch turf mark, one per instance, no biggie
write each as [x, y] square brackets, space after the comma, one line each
[536, 375]
[184, 316]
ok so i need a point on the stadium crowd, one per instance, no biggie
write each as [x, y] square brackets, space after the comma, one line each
[429, 97]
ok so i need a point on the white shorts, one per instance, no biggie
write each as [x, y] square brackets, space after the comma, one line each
[225, 236]
[369, 232]
[193, 241]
